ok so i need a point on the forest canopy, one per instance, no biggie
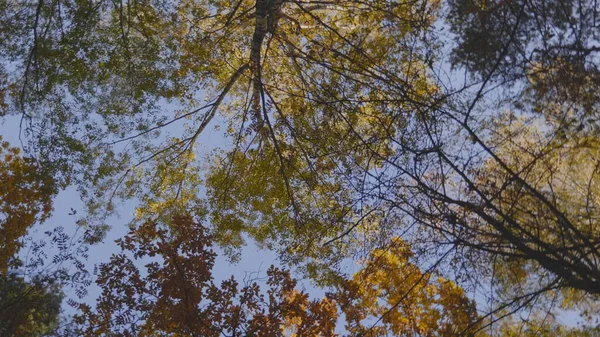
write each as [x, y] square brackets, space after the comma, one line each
[447, 150]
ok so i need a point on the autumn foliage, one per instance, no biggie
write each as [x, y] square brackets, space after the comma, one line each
[447, 150]
[175, 295]
[407, 302]
[25, 198]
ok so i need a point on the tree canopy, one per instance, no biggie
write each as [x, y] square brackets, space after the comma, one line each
[449, 146]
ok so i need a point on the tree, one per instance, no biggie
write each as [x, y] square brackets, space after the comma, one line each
[550, 44]
[31, 283]
[533, 198]
[25, 198]
[32, 290]
[28, 308]
[290, 72]
[392, 290]
[512, 178]
[175, 294]
[294, 58]
[545, 326]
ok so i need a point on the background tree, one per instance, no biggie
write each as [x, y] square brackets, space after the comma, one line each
[25, 198]
[32, 290]
[28, 308]
[32, 280]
